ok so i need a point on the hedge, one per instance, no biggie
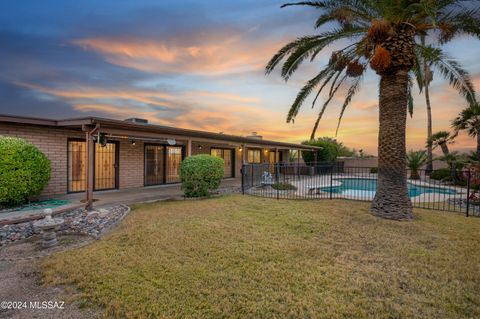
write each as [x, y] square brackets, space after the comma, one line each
[24, 171]
[201, 174]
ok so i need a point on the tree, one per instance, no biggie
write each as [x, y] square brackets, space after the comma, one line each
[469, 120]
[415, 160]
[424, 78]
[382, 35]
[328, 152]
[441, 139]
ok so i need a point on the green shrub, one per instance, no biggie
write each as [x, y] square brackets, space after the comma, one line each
[327, 153]
[443, 174]
[281, 186]
[24, 171]
[374, 170]
[201, 174]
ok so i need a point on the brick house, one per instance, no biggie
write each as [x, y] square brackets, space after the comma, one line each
[93, 154]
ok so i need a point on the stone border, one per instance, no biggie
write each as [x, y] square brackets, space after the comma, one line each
[88, 238]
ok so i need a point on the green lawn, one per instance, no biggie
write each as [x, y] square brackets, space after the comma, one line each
[241, 256]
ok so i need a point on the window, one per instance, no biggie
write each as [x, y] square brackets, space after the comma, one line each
[254, 156]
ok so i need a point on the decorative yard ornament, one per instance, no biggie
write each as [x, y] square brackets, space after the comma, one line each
[48, 226]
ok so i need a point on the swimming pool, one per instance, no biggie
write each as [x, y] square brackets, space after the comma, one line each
[366, 187]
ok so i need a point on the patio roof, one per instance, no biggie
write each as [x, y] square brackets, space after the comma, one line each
[149, 130]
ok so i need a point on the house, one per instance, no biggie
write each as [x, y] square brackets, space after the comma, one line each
[94, 154]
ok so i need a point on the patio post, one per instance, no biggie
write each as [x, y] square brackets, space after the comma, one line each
[89, 169]
[277, 167]
[298, 163]
[189, 147]
[244, 154]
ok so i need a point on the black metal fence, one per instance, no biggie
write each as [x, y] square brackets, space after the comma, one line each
[456, 192]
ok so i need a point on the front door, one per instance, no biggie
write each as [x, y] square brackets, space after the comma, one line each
[105, 166]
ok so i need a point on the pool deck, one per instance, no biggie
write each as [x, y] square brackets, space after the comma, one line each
[310, 187]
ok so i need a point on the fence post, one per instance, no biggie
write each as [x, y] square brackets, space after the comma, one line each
[277, 167]
[242, 171]
[468, 192]
[331, 181]
[252, 166]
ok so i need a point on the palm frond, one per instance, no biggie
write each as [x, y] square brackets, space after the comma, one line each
[307, 48]
[306, 90]
[324, 107]
[410, 97]
[351, 93]
[285, 50]
[451, 70]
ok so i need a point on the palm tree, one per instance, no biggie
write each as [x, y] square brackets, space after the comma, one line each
[424, 78]
[382, 35]
[441, 139]
[415, 160]
[469, 120]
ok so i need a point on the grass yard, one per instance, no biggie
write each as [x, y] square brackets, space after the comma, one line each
[243, 257]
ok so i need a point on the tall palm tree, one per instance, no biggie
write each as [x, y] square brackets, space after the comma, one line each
[469, 120]
[382, 35]
[424, 78]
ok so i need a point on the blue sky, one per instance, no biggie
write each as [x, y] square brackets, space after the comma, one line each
[192, 64]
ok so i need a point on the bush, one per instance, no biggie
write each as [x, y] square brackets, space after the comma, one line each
[281, 186]
[443, 174]
[374, 170]
[24, 171]
[328, 153]
[201, 174]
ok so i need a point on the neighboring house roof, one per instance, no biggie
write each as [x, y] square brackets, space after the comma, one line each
[147, 128]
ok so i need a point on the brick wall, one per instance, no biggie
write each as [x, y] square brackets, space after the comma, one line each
[131, 164]
[53, 143]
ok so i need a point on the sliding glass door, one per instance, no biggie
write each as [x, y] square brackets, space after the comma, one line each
[162, 164]
[154, 164]
[228, 160]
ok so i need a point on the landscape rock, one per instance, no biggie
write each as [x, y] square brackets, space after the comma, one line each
[79, 221]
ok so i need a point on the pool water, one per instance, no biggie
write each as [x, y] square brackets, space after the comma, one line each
[366, 187]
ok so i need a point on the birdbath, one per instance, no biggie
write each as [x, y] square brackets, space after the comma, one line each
[48, 226]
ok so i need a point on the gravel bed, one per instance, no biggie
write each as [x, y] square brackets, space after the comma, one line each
[78, 221]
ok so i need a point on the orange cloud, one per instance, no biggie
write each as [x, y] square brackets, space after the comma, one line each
[229, 54]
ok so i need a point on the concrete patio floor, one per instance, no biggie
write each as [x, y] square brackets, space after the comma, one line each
[123, 196]
[142, 194]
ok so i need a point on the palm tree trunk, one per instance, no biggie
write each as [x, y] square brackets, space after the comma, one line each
[391, 199]
[478, 146]
[429, 167]
[444, 148]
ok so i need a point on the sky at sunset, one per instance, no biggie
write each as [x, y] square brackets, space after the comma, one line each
[192, 64]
